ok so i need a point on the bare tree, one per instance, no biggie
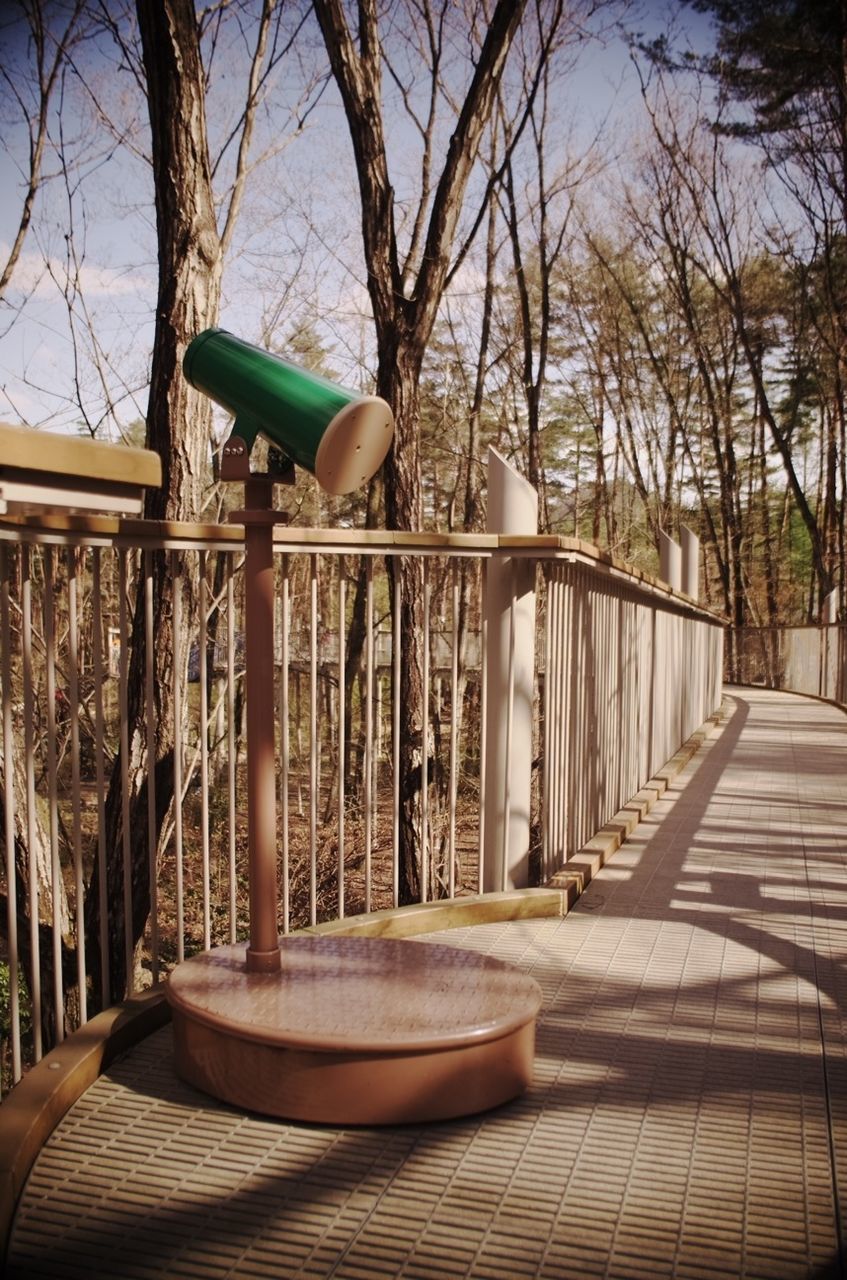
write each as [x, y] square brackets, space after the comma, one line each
[51, 39]
[537, 205]
[193, 234]
[705, 174]
[406, 291]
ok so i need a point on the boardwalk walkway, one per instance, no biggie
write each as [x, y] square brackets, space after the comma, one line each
[688, 1116]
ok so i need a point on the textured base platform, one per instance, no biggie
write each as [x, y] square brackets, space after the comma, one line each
[355, 1030]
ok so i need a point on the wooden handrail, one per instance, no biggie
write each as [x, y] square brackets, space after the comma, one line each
[40, 471]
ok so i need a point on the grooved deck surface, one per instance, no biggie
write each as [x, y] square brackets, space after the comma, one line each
[688, 1116]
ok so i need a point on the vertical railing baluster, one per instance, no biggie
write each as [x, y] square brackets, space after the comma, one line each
[285, 740]
[574, 732]
[565, 661]
[178, 669]
[454, 729]
[483, 720]
[369, 680]
[587, 710]
[576, 744]
[626, 709]
[29, 771]
[204, 753]
[342, 726]
[379, 686]
[100, 779]
[231, 750]
[123, 716]
[73, 561]
[549, 772]
[56, 885]
[313, 741]
[425, 860]
[9, 766]
[607, 676]
[510, 702]
[550, 776]
[150, 704]
[396, 649]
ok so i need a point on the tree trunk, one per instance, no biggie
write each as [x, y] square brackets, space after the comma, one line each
[399, 384]
[178, 429]
[405, 304]
[355, 645]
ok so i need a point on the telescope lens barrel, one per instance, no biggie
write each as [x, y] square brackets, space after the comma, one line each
[339, 436]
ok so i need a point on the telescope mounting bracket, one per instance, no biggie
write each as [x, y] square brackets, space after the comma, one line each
[234, 463]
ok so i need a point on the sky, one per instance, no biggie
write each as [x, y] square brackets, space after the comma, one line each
[89, 263]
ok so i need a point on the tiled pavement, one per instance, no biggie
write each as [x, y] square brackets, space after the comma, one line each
[688, 1116]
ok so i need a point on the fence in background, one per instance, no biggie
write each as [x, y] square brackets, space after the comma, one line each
[810, 659]
[624, 672]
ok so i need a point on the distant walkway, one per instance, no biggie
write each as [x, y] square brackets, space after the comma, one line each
[688, 1116]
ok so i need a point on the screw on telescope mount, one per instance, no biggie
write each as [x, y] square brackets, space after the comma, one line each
[234, 463]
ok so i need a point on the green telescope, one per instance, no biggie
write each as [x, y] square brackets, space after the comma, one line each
[341, 437]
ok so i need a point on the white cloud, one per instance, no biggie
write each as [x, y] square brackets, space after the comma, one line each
[39, 277]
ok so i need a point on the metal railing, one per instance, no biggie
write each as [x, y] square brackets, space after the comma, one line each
[630, 680]
[807, 659]
[624, 672]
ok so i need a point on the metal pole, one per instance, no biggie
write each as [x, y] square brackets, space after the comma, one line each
[509, 675]
[263, 954]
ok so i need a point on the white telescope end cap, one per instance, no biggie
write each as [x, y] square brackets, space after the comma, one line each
[354, 445]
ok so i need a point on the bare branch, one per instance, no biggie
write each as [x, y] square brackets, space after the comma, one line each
[51, 53]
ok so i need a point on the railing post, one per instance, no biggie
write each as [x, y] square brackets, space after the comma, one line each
[510, 616]
[670, 561]
[829, 616]
[829, 612]
[690, 562]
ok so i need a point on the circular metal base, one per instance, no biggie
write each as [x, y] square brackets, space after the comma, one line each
[355, 1030]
